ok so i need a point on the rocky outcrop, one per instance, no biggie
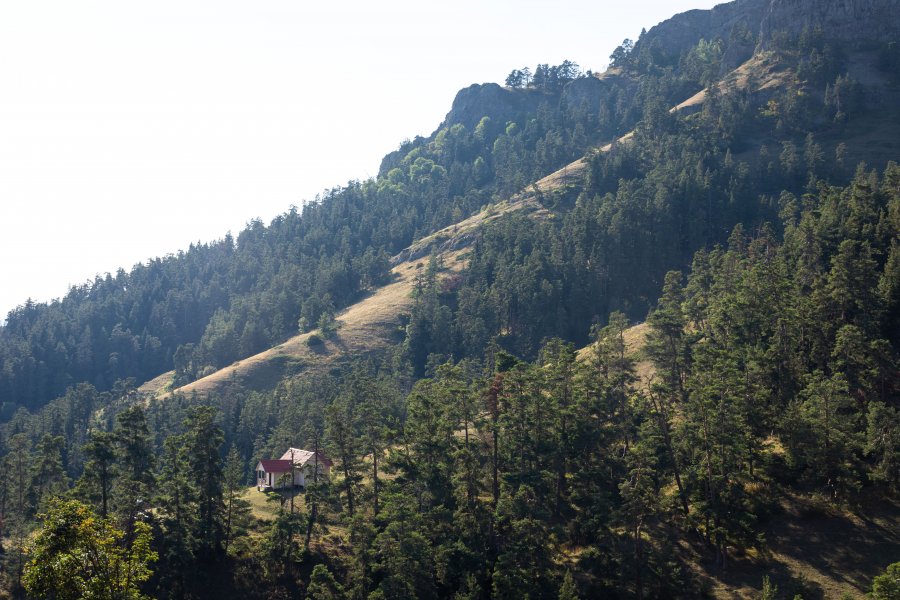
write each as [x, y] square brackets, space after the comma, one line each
[472, 104]
[730, 22]
[853, 21]
[499, 103]
[589, 93]
[747, 25]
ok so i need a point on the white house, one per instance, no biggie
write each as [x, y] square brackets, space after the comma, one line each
[273, 474]
[277, 473]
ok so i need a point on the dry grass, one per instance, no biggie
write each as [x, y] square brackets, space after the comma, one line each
[158, 385]
[368, 324]
[363, 327]
[264, 506]
[760, 71]
[820, 552]
[635, 338]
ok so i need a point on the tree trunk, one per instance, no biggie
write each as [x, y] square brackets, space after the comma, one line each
[667, 439]
[375, 479]
[314, 506]
[638, 560]
[349, 485]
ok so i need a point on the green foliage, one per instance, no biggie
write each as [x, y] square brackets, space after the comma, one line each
[568, 590]
[236, 511]
[474, 457]
[887, 585]
[280, 548]
[322, 585]
[769, 590]
[96, 481]
[77, 555]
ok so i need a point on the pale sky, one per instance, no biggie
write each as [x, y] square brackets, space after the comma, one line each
[129, 130]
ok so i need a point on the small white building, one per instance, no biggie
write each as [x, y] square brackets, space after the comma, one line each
[295, 464]
[273, 474]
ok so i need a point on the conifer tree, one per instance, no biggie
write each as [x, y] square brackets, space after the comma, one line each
[134, 477]
[236, 514]
[97, 478]
[202, 441]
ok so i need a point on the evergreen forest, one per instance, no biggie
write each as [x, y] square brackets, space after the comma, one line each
[671, 355]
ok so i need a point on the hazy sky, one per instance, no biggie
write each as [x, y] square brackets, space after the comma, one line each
[130, 129]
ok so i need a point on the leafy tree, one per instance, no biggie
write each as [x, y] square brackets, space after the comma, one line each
[77, 555]
[887, 585]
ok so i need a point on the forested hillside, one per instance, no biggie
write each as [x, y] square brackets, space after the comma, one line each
[733, 185]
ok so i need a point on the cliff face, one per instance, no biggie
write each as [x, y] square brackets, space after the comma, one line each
[845, 20]
[730, 22]
[491, 100]
[477, 101]
[745, 26]
[749, 24]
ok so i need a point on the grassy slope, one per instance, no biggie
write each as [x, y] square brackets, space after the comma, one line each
[363, 327]
[369, 324]
[826, 551]
[811, 547]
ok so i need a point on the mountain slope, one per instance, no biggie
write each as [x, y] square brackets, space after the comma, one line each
[370, 324]
[420, 327]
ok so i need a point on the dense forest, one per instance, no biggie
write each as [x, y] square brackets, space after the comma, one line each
[516, 441]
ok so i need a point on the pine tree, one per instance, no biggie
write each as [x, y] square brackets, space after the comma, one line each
[177, 501]
[569, 589]
[133, 476]
[49, 475]
[823, 438]
[202, 440]
[342, 443]
[236, 515]
[639, 498]
[323, 586]
[98, 475]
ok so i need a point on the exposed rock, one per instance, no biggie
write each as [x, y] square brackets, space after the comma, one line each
[726, 21]
[590, 92]
[499, 103]
[845, 20]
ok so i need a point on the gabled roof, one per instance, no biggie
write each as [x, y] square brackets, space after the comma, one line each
[303, 457]
[275, 465]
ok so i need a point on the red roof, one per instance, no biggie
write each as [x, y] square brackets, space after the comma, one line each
[275, 465]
